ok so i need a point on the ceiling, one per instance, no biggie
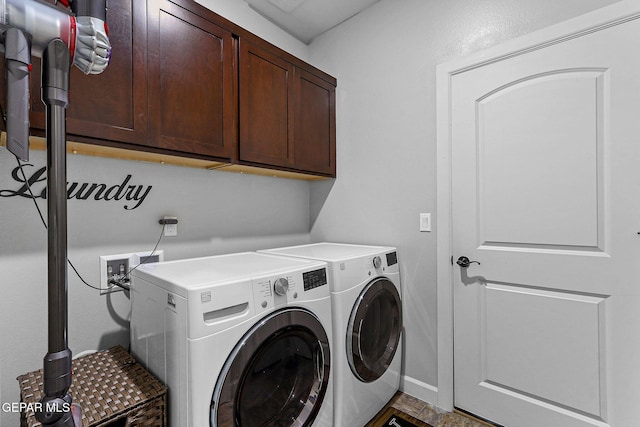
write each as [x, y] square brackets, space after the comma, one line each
[306, 19]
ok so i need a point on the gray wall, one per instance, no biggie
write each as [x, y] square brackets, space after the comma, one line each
[385, 61]
[239, 12]
[219, 212]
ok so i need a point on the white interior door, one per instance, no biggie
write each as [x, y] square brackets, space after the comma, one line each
[545, 179]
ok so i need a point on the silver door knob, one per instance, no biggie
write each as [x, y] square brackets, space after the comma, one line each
[464, 262]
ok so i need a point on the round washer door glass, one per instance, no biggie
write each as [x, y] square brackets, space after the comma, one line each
[277, 375]
[374, 330]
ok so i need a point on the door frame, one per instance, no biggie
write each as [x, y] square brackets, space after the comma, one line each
[599, 19]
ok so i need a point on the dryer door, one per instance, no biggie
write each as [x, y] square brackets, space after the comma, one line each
[277, 375]
[374, 330]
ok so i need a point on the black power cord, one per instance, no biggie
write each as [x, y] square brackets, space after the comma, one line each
[125, 287]
[124, 281]
[26, 181]
[44, 223]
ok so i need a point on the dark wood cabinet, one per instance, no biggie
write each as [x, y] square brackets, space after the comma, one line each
[314, 121]
[287, 113]
[266, 103]
[192, 95]
[184, 81]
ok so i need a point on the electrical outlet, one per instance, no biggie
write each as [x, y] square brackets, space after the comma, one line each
[171, 230]
[118, 266]
[170, 226]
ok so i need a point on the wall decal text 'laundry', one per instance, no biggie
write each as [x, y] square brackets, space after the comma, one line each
[79, 191]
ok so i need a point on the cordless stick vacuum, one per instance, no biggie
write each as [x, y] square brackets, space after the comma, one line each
[72, 32]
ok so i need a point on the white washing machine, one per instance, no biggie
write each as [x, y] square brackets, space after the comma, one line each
[367, 325]
[240, 340]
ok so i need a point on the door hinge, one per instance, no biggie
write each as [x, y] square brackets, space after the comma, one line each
[451, 259]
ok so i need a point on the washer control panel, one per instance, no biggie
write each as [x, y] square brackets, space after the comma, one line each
[290, 287]
[314, 279]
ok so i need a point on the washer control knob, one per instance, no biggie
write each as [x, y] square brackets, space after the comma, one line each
[281, 286]
[377, 262]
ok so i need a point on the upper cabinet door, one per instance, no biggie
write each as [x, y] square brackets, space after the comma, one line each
[266, 103]
[184, 81]
[192, 95]
[287, 113]
[314, 124]
[112, 105]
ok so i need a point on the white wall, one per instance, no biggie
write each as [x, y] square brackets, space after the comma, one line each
[219, 212]
[239, 12]
[385, 61]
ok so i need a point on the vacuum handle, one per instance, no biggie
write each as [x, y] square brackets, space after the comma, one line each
[18, 65]
[93, 8]
[93, 48]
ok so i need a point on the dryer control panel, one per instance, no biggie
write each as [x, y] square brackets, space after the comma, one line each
[392, 258]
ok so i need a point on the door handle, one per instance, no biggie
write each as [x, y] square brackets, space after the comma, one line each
[464, 262]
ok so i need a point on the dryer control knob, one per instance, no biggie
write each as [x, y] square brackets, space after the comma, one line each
[281, 286]
[377, 262]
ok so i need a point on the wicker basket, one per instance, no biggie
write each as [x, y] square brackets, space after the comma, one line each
[112, 389]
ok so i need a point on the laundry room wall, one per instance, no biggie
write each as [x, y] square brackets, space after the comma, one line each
[218, 212]
[385, 61]
[240, 12]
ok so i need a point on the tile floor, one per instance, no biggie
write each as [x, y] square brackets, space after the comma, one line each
[431, 415]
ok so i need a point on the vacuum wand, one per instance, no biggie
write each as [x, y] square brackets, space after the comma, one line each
[61, 38]
[56, 402]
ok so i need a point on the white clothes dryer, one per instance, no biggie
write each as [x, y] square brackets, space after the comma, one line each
[367, 325]
[240, 340]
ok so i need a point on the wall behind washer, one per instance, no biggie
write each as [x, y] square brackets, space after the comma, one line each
[219, 212]
[385, 61]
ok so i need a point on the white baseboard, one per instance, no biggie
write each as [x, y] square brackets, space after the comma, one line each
[423, 391]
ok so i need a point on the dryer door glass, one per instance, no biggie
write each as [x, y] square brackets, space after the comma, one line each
[373, 333]
[277, 375]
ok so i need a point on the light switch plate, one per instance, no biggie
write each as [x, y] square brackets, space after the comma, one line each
[425, 222]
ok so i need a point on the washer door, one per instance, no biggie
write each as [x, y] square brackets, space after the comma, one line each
[373, 333]
[277, 375]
